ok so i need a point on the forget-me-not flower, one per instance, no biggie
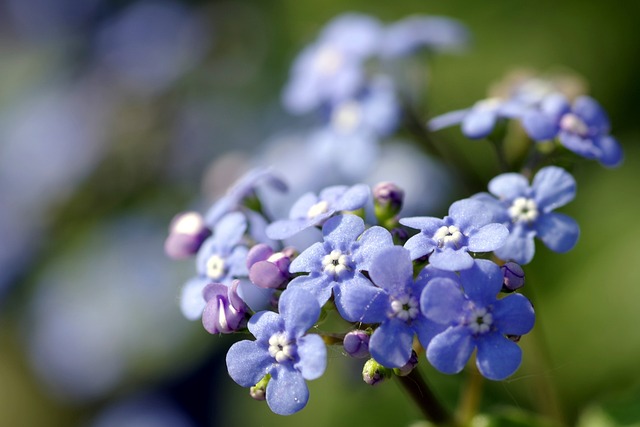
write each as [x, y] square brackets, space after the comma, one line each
[475, 318]
[331, 68]
[282, 350]
[337, 263]
[447, 241]
[310, 210]
[395, 305]
[527, 211]
[582, 127]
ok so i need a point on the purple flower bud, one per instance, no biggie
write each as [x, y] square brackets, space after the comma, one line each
[268, 269]
[389, 195]
[187, 231]
[356, 344]
[409, 366]
[374, 373]
[513, 277]
[225, 310]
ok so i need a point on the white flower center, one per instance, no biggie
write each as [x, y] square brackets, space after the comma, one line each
[216, 267]
[447, 235]
[189, 223]
[317, 209]
[523, 210]
[574, 124]
[480, 321]
[346, 117]
[328, 60]
[336, 263]
[405, 308]
[281, 348]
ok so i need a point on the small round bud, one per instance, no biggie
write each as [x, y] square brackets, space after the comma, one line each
[187, 231]
[269, 269]
[388, 199]
[513, 277]
[374, 373]
[356, 344]
[409, 366]
[259, 391]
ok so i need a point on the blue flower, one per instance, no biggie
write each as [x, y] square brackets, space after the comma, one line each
[337, 262]
[582, 127]
[283, 351]
[395, 305]
[332, 68]
[479, 120]
[312, 210]
[528, 212]
[474, 318]
[428, 32]
[221, 258]
[468, 227]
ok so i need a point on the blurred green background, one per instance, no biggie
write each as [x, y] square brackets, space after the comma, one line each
[110, 122]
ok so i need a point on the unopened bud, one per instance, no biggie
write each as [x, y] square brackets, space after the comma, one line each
[374, 373]
[356, 344]
[259, 391]
[187, 231]
[225, 311]
[268, 269]
[409, 366]
[513, 277]
[388, 199]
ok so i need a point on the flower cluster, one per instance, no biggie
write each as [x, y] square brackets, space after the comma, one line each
[445, 287]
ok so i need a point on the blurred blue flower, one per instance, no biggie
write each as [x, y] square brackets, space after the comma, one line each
[312, 210]
[423, 32]
[527, 212]
[330, 69]
[468, 227]
[582, 127]
[395, 305]
[337, 263]
[283, 351]
[467, 306]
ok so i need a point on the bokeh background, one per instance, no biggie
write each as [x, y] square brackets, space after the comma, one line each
[116, 115]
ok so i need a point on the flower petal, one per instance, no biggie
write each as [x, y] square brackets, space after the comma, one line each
[309, 260]
[341, 230]
[372, 241]
[287, 392]
[248, 362]
[479, 123]
[553, 187]
[539, 126]
[420, 245]
[299, 309]
[558, 231]
[611, 152]
[518, 246]
[449, 351]
[192, 301]
[313, 356]
[392, 270]
[354, 198]
[442, 301]
[508, 186]
[488, 238]
[390, 344]
[230, 228]
[319, 285]
[498, 357]
[468, 213]
[452, 260]
[264, 324]
[513, 315]
[482, 282]
[447, 119]
[358, 300]
[589, 110]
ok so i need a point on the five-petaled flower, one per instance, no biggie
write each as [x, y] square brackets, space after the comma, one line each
[283, 351]
[467, 306]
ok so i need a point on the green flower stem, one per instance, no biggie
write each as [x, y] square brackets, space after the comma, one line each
[471, 395]
[423, 397]
[498, 146]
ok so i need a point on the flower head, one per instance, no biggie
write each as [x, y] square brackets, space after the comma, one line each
[312, 210]
[466, 305]
[224, 311]
[447, 241]
[582, 127]
[337, 263]
[283, 351]
[527, 211]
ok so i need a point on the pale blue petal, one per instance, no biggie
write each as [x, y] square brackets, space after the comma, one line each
[372, 241]
[482, 282]
[301, 207]
[558, 231]
[452, 260]
[513, 315]
[287, 392]
[450, 350]
[448, 119]
[256, 298]
[192, 301]
[425, 223]
[285, 228]
[309, 260]
[555, 106]
[590, 111]
[469, 213]
[488, 238]
[518, 246]
[342, 230]
[509, 186]
[580, 145]
[299, 309]
[390, 344]
[498, 357]
[553, 187]
[498, 209]
[479, 123]
[313, 356]
[420, 245]
[248, 362]
[264, 324]
[612, 155]
[230, 228]
[358, 300]
[319, 285]
[443, 301]
[539, 126]
[354, 198]
[392, 270]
